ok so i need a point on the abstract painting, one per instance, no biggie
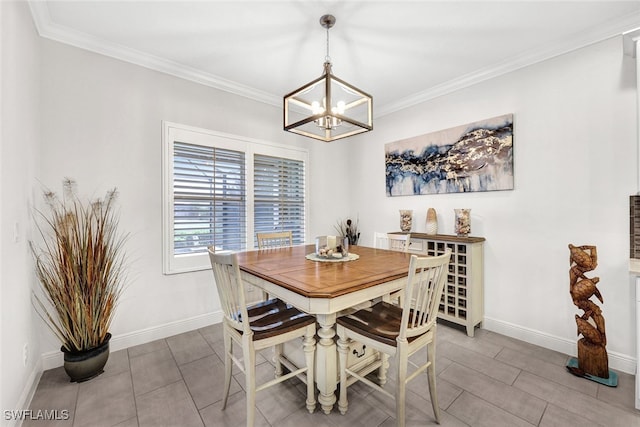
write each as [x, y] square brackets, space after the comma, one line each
[473, 157]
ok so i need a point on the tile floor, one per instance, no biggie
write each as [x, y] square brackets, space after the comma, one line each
[490, 380]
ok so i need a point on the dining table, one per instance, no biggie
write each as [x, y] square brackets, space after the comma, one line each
[325, 287]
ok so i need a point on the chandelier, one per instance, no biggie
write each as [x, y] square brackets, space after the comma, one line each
[328, 108]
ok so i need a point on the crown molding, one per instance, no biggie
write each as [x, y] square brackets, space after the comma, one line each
[48, 29]
[607, 30]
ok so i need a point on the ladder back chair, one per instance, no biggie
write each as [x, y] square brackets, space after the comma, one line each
[399, 242]
[398, 332]
[394, 242]
[267, 324]
[380, 240]
[271, 240]
[276, 239]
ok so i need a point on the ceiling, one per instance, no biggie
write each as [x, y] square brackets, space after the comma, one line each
[401, 52]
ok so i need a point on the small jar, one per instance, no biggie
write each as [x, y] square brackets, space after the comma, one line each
[406, 220]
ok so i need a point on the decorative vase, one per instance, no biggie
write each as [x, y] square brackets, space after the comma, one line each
[432, 222]
[463, 222]
[84, 365]
[406, 219]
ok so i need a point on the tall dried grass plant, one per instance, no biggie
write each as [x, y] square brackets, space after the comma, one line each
[80, 266]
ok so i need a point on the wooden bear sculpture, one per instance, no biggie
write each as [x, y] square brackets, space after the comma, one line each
[592, 351]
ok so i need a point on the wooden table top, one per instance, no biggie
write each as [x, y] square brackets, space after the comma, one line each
[288, 267]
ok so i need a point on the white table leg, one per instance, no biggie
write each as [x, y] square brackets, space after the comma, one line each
[326, 361]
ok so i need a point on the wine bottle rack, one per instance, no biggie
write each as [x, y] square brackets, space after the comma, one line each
[463, 296]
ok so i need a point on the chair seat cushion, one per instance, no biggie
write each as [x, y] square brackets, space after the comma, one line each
[275, 317]
[380, 322]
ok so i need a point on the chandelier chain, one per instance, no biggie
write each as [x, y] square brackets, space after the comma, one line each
[327, 58]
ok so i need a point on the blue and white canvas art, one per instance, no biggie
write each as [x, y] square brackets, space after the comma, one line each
[473, 157]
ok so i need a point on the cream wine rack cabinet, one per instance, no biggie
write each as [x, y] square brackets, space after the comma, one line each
[463, 297]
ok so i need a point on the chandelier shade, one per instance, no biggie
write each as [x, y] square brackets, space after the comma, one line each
[328, 108]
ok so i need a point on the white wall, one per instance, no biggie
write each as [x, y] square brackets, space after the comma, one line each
[575, 167]
[19, 117]
[101, 125]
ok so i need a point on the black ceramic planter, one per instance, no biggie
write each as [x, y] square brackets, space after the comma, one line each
[84, 365]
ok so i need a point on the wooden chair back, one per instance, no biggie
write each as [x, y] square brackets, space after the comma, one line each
[392, 241]
[399, 242]
[276, 239]
[230, 289]
[427, 276]
[380, 240]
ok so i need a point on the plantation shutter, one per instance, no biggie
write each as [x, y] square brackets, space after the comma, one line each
[279, 196]
[209, 199]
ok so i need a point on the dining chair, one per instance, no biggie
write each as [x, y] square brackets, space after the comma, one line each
[276, 239]
[271, 240]
[380, 240]
[267, 324]
[398, 332]
[399, 242]
[392, 241]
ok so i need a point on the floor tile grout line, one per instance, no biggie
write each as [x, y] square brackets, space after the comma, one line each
[546, 402]
[611, 406]
[546, 406]
[135, 398]
[184, 380]
[75, 407]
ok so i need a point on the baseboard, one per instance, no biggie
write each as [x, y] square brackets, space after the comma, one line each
[617, 361]
[27, 393]
[54, 359]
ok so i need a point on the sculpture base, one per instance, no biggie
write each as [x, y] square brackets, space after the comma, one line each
[612, 381]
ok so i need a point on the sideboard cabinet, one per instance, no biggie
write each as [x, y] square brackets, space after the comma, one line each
[463, 296]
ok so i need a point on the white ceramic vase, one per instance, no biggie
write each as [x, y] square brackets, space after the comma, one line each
[432, 222]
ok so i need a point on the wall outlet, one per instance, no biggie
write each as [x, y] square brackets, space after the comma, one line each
[25, 354]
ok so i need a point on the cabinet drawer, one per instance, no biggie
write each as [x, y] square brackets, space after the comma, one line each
[357, 356]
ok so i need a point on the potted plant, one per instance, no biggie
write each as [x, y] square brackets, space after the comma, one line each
[349, 229]
[80, 265]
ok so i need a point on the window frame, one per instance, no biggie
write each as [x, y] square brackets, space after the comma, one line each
[171, 132]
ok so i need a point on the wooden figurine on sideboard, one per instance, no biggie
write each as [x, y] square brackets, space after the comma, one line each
[592, 361]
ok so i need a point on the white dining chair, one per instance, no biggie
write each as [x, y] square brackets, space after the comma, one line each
[380, 240]
[399, 242]
[392, 241]
[272, 240]
[276, 239]
[398, 332]
[267, 324]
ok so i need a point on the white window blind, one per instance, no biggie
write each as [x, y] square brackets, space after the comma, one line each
[220, 189]
[209, 194]
[279, 195]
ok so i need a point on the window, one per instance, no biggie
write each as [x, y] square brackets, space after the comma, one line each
[279, 195]
[219, 190]
[209, 198]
